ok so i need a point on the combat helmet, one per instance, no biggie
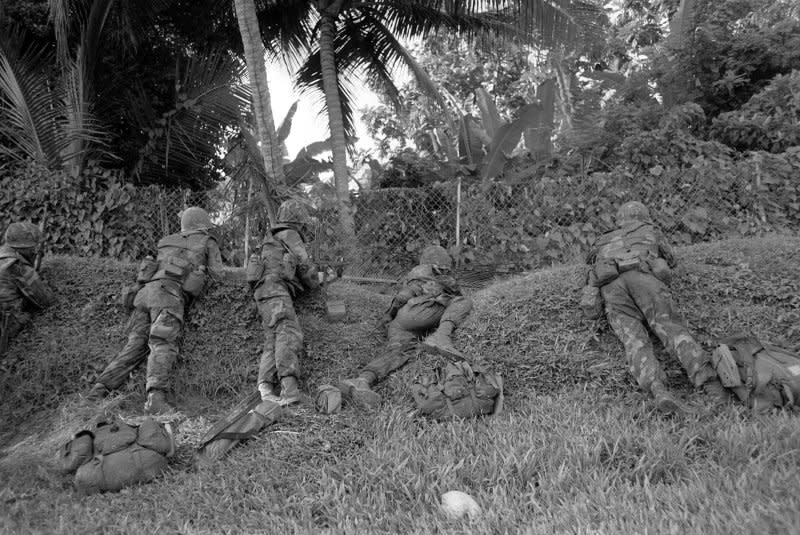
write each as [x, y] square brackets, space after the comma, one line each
[292, 211]
[631, 212]
[195, 218]
[23, 235]
[436, 256]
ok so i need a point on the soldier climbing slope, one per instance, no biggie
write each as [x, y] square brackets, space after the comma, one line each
[631, 270]
[165, 288]
[278, 275]
[21, 289]
[428, 299]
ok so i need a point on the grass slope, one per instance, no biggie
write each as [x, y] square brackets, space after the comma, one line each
[578, 450]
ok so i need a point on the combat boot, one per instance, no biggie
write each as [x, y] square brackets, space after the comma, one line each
[359, 392]
[716, 392]
[157, 403]
[665, 401]
[97, 393]
[269, 392]
[441, 342]
[290, 393]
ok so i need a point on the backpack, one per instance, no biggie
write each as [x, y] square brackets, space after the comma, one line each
[113, 454]
[762, 375]
[458, 390]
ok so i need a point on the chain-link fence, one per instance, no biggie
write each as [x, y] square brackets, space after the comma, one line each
[505, 227]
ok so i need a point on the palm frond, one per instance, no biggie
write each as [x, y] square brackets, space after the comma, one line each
[309, 80]
[288, 29]
[29, 110]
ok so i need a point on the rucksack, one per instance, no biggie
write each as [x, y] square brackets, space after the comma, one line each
[113, 454]
[763, 376]
[458, 390]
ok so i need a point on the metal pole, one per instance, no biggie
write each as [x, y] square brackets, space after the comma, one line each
[458, 221]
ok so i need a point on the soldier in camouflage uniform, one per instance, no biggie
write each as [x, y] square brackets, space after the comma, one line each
[166, 287]
[429, 300]
[631, 268]
[21, 289]
[278, 275]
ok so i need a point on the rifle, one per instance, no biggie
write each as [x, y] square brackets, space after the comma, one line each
[37, 261]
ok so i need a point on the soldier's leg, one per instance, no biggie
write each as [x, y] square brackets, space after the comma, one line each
[288, 347]
[131, 356]
[411, 321]
[165, 334]
[441, 340]
[267, 370]
[642, 363]
[654, 300]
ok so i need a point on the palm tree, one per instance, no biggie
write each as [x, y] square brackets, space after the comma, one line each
[340, 38]
[255, 56]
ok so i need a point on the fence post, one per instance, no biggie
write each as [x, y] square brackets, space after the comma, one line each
[458, 222]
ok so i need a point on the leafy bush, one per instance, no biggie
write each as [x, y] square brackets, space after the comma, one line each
[94, 214]
[769, 121]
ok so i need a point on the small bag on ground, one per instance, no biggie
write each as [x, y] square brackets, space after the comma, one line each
[458, 390]
[763, 376]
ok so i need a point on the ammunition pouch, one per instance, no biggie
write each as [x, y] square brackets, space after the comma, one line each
[255, 269]
[176, 267]
[328, 400]
[605, 271]
[458, 390]
[147, 269]
[659, 268]
[591, 302]
[194, 282]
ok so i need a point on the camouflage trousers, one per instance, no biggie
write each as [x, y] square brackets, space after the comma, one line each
[154, 332]
[417, 317]
[635, 300]
[283, 340]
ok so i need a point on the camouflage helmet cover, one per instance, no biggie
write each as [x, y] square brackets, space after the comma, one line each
[632, 211]
[436, 255]
[23, 235]
[292, 211]
[195, 218]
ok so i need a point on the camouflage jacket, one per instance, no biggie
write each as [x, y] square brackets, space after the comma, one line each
[20, 284]
[642, 240]
[183, 252]
[422, 281]
[287, 268]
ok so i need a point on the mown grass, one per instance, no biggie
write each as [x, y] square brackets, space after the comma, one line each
[578, 450]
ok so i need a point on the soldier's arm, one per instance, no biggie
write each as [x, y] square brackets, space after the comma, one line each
[214, 266]
[32, 286]
[306, 269]
[665, 251]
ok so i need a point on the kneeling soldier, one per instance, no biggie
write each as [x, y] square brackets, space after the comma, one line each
[21, 289]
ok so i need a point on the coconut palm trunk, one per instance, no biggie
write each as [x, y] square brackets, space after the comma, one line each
[328, 11]
[255, 53]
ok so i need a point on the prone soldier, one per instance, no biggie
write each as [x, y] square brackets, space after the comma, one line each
[429, 302]
[165, 288]
[630, 273]
[277, 276]
[22, 291]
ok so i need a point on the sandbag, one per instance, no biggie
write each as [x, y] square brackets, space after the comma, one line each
[458, 390]
[118, 470]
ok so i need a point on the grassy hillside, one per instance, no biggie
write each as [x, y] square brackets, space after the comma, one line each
[578, 449]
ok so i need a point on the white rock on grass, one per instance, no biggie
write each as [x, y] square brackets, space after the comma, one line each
[457, 504]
